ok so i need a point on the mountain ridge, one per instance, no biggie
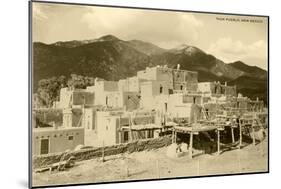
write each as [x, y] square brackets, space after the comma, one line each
[112, 58]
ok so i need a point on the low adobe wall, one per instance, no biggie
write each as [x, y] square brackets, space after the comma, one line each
[136, 146]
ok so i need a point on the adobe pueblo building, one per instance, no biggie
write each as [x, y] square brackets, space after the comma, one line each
[158, 101]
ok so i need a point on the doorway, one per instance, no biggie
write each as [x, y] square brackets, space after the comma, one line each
[44, 146]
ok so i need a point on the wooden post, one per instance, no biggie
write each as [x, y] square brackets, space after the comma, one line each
[102, 151]
[253, 133]
[190, 145]
[232, 135]
[218, 141]
[119, 131]
[130, 127]
[240, 133]
[175, 136]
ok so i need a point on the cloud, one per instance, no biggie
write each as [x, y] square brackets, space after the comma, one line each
[230, 50]
[38, 13]
[163, 28]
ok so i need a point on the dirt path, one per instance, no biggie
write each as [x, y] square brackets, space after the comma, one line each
[155, 164]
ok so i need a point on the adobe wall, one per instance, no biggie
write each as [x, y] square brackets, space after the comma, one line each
[81, 97]
[65, 97]
[59, 140]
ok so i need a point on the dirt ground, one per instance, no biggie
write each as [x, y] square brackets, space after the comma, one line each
[155, 164]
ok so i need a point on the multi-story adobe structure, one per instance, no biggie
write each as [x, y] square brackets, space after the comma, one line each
[109, 111]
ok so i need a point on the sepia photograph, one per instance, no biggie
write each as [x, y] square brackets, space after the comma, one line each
[123, 94]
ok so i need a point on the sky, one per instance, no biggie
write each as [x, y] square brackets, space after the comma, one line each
[228, 37]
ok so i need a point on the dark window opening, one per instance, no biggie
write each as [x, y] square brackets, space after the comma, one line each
[161, 89]
[70, 138]
[181, 87]
[170, 91]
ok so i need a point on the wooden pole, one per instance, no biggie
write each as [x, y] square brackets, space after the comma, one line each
[102, 151]
[190, 145]
[120, 131]
[253, 133]
[218, 141]
[232, 135]
[173, 133]
[240, 133]
[130, 127]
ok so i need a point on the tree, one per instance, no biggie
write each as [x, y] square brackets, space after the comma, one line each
[80, 82]
[49, 89]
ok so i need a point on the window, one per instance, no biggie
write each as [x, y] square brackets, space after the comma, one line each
[170, 91]
[181, 87]
[161, 89]
[70, 137]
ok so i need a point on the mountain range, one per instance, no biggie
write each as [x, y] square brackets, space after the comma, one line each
[111, 58]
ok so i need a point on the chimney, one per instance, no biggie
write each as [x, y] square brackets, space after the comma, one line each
[54, 125]
[96, 80]
[178, 66]
[225, 84]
